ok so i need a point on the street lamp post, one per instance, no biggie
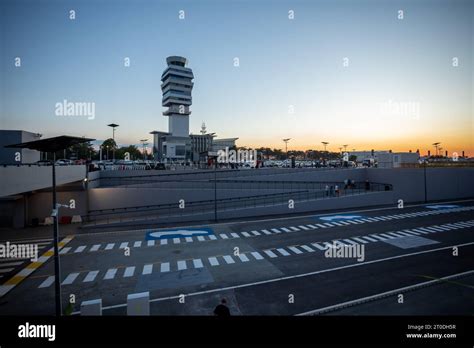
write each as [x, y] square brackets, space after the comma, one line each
[144, 143]
[113, 125]
[286, 146]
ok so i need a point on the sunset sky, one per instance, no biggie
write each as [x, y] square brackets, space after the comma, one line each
[400, 90]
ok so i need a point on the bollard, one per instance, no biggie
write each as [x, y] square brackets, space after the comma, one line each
[76, 219]
[91, 307]
[138, 304]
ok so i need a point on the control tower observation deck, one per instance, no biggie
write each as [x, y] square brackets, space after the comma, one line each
[177, 84]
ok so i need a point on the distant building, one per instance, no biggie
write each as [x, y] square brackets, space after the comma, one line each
[397, 159]
[222, 144]
[17, 156]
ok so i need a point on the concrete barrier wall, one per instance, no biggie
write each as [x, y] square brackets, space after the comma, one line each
[441, 183]
[30, 178]
[41, 204]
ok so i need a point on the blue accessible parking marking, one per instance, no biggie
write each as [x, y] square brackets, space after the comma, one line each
[179, 232]
[340, 217]
[442, 206]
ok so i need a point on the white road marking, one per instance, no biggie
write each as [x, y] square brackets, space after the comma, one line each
[283, 252]
[176, 240]
[224, 236]
[129, 271]
[228, 259]
[235, 235]
[163, 241]
[307, 248]
[255, 233]
[64, 250]
[212, 237]
[147, 269]
[284, 229]
[270, 253]
[294, 228]
[151, 243]
[165, 267]
[213, 261]
[188, 239]
[47, 282]
[303, 227]
[200, 238]
[246, 234]
[90, 276]
[312, 226]
[80, 249]
[266, 232]
[370, 239]
[95, 247]
[256, 255]
[137, 244]
[70, 278]
[123, 245]
[276, 230]
[110, 273]
[243, 258]
[360, 240]
[182, 265]
[109, 246]
[198, 263]
[295, 250]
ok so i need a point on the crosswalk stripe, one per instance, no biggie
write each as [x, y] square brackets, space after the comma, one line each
[303, 227]
[70, 278]
[344, 223]
[243, 258]
[366, 220]
[9, 264]
[296, 229]
[129, 271]
[137, 244]
[6, 270]
[90, 276]
[270, 253]
[434, 229]
[283, 252]
[360, 240]
[64, 250]
[321, 225]
[198, 263]
[213, 261]
[224, 236]
[165, 267]
[188, 239]
[109, 246]
[371, 219]
[276, 230]
[182, 265]
[337, 223]
[235, 235]
[228, 259]
[377, 237]
[358, 220]
[47, 282]
[246, 234]
[80, 249]
[266, 232]
[412, 232]
[370, 239]
[256, 255]
[312, 226]
[327, 245]
[176, 240]
[200, 238]
[256, 233]
[95, 247]
[350, 241]
[421, 230]
[320, 247]
[404, 234]
[386, 235]
[147, 269]
[383, 218]
[151, 243]
[123, 245]
[212, 237]
[295, 250]
[284, 229]
[327, 224]
[307, 248]
[163, 241]
[395, 234]
[110, 274]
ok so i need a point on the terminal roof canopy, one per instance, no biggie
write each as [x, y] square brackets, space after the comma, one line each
[52, 144]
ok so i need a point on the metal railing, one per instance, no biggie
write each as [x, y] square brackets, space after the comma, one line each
[154, 212]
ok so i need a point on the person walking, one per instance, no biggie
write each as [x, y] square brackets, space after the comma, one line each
[221, 309]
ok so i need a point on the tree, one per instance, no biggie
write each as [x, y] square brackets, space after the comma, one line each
[132, 150]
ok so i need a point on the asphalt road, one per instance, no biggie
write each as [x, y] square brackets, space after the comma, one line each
[269, 267]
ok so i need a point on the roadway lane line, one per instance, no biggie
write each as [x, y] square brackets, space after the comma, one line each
[302, 275]
[47, 282]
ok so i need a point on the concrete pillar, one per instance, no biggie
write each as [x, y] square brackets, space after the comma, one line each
[138, 304]
[92, 307]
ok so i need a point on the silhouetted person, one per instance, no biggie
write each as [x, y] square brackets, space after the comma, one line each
[222, 310]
